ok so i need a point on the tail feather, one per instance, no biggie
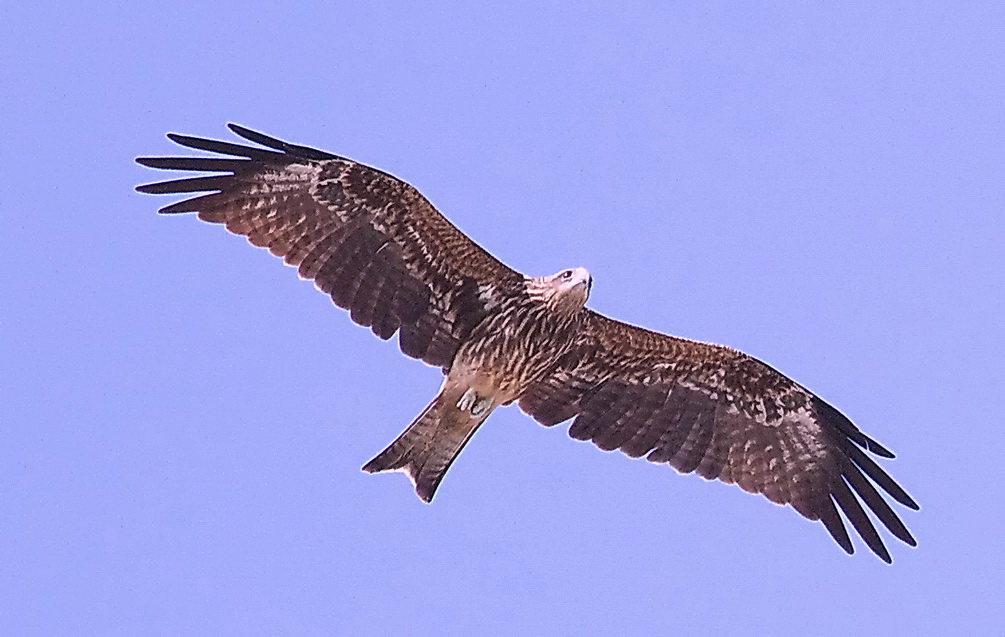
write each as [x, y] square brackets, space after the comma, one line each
[427, 448]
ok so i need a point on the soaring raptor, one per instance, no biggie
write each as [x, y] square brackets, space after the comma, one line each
[381, 251]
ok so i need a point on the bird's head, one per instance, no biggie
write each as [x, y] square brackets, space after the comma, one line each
[567, 290]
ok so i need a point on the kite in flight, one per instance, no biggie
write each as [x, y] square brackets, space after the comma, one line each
[383, 252]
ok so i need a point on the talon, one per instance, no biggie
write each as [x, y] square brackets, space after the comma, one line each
[480, 406]
[467, 400]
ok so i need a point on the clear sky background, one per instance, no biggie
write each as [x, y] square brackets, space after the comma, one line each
[183, 421]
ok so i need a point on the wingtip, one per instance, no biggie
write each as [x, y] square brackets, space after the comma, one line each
[878, 449]
[259, 138]
[254, 136]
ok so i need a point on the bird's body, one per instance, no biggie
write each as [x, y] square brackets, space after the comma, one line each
[503, 355]
[381, 250]
[507, 345]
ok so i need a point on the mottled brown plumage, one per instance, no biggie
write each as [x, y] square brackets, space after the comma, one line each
[381, 251]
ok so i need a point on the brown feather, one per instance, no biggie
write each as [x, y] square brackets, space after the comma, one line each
[711, 410]
[328, 216]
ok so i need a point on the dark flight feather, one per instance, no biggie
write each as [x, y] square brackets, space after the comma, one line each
[718, 412]
[366, 238]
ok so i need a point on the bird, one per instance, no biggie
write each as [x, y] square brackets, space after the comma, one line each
[380, 250]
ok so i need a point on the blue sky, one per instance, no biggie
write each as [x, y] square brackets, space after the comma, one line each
[183, 421]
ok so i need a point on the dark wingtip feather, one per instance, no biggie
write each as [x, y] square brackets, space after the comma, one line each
[195, 204]
[849, 504]
[194, 184]
[258, 138]
[303, 152]
[211, 164]
[831, 520]
[225, 148]
[877, 448]
[844, 425]
[880, 477]
[877, 504]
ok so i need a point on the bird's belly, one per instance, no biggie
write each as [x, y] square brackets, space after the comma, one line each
[504, 356]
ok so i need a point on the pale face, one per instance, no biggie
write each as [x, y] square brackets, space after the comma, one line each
[571, 287]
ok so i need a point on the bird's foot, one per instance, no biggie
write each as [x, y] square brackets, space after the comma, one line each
[467, 400]
[470, 401]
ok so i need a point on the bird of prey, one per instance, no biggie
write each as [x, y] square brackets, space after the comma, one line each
[382, 251]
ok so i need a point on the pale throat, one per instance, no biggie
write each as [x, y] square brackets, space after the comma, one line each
[568, 301]
[560, 296]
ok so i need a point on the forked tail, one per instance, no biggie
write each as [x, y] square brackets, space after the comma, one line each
[427, 448]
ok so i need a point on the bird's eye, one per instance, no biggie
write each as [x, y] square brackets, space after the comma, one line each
[567, 274]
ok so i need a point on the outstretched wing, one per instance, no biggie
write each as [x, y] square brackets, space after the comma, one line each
[371, 241]
[715, 411]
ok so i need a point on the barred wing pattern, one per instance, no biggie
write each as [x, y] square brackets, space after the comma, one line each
[715, 411]
[369, 240]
